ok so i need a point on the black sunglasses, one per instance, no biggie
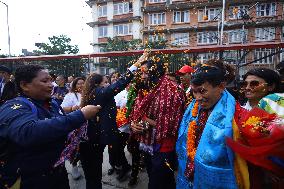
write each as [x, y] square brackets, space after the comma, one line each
[253, 84]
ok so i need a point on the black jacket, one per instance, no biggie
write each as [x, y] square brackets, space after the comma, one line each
[105, 130]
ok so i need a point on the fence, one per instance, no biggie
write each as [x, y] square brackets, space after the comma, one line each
[242, 56]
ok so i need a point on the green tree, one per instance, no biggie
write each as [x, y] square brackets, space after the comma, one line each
[60, 45]
[159, 43]
[116, 44]
[57, 45]
[174, 61]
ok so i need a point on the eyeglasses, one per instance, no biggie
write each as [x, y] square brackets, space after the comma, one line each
[252, 84]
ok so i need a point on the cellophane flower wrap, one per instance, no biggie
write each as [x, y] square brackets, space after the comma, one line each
[262, 140]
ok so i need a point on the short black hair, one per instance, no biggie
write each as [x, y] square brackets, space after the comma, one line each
[26, 73]
[214, 71]
[280, 67]
[5, 69]
[156, 70]
[269, 76]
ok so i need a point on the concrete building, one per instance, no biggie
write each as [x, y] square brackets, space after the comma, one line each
[185, 23]
[113, 18]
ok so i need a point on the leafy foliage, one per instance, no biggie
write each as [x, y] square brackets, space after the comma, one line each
[60, 45]
[116, 44]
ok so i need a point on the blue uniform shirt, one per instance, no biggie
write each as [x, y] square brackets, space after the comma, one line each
[35, 139]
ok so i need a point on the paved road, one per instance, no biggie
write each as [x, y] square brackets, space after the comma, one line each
[110, 182]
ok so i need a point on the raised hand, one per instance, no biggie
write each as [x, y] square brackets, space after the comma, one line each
[90, 111]
[143, 58]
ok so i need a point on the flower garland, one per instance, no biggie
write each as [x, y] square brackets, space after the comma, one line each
[191, 134]
[120, 117]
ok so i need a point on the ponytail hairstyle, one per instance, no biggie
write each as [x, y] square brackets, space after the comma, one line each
[214, 72]
[91, 84]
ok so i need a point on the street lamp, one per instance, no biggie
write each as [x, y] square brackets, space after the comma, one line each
[8, 27]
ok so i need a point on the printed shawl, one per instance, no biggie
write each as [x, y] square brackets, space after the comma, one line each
[164, 104]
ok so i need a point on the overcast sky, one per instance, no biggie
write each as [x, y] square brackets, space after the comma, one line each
[34, 21]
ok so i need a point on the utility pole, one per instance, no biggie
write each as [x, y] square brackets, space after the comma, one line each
[9, 44]
[223, 22]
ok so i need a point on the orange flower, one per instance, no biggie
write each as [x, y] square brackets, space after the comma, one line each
[120, 117]
[191, 148]
[145, 92]
[194, 110]
[191, 134]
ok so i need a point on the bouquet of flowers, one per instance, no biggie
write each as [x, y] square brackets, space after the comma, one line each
[120, 117]
[262, 140]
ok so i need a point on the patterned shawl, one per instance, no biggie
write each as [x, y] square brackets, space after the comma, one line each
[164, 104]
[71, 150]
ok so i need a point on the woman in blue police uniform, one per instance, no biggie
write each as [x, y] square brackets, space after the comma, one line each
[33, 130]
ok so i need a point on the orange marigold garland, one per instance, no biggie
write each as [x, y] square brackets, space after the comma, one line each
[191, 137]
[120, 117]
[191, 143]
[191, 148]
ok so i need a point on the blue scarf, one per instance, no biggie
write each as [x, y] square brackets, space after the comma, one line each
[214, 160]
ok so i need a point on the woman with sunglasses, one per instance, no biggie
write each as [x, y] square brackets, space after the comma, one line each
[257, 83]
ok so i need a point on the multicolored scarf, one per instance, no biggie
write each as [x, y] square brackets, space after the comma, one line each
[71, 150]
[164, 104]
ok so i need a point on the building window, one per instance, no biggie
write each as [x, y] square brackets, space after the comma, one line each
[242, 11]
[202, 58]
[181, 16]
[261, 53]
[209, 14]
[122, 8]
[102, 49]
[157, 18]
[156, 38]
[237, 36]
[102, 31]
[180, 38]
[157, 1]
[122, 29]
[103, 70]
[207, 37]
[102, 10]
[264, 34]
[266, 9]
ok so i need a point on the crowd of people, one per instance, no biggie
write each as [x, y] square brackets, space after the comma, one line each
[187, 128]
